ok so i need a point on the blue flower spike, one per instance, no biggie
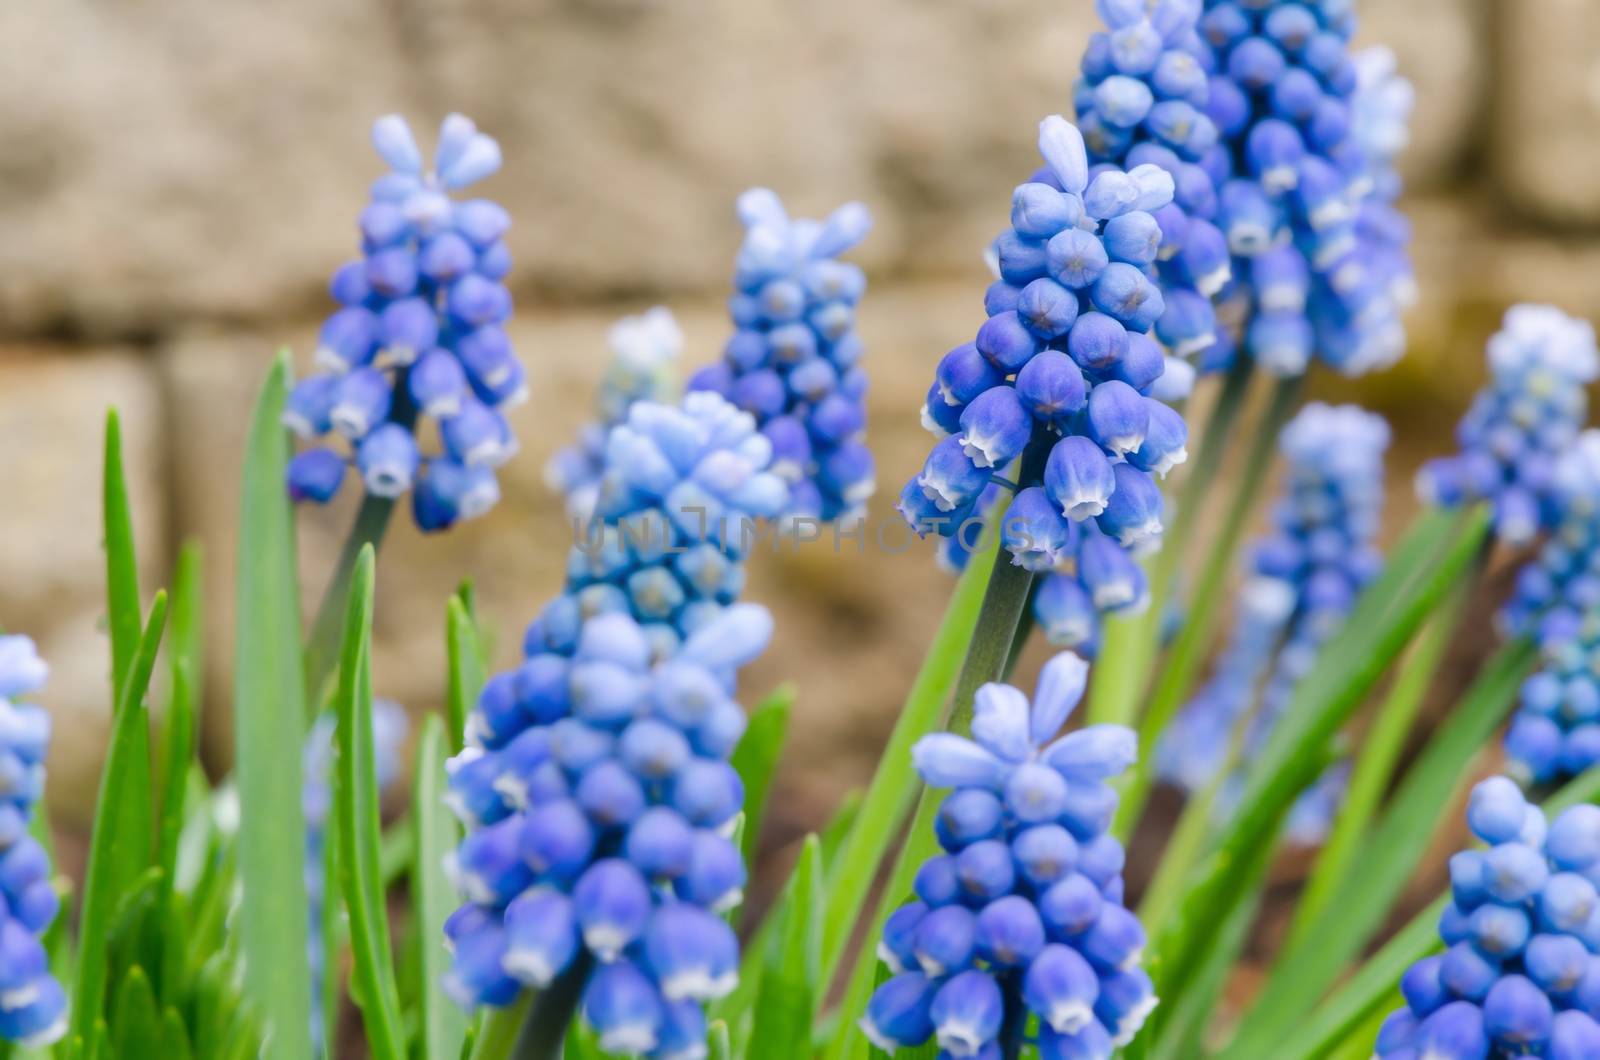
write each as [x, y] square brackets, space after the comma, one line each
[1301, 581]
[794, 359]
[1522, 953]
[1066, 368]
[596, 787]
[644, 354]
[33, 1006]
[1520, 423]
[1302, 139]
[420, 335]
[1021, 917]
[1141, 102]
[1556, 731]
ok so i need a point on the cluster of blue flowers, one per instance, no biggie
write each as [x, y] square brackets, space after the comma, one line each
[316, 802]
[1064, 370]
[1521, 975]
[1556, 732]
[1518, 426]
[793, 361]
[1380, 125]
[1022, 917]
[599, 798]
[33, 1007]
[420, 333]
[1142, 100]
[596, 786]
[687, 490]
[1303, 579]
[1317, 273]
[644, 350]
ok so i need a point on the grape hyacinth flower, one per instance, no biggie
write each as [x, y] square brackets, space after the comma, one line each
[793, 361]
[33, 1007]
[1141, 100]
[644, 350]
[1518, 425]
[1303, 579]
[420, 334]
[683, 496]
[389, 727]
[1316, 273]
[1059, 380]
[1555, 592]
[599, 800]
[1521, 972]
[1022, 916]
[1556, 731]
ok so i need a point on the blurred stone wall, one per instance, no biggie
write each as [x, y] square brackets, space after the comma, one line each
[178, 179]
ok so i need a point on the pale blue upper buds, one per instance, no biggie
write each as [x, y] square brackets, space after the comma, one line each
[421, 333]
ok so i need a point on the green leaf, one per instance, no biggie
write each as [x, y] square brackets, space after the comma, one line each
[323, 645]
[1390, 851]
[466, 667]
[1131, 642]
[136, 1023]
[1176, 678]
[119, 846]
[443, 1026]
[894, 786]
[122, 564]
[1374, 768]
[717, 1041]
[174, 1036]
[184, 654]
[1346, 670]
[360, 832]
[789, 980]
[269, 728]
[497, 1029]
[756, 758]
[921, 843]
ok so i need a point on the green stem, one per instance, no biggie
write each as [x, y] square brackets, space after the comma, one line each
[322, 647]
[545, 1032]
[1374, 768]
[1130, 642]
[1176, 679]
[496, 1031]
[989, 657]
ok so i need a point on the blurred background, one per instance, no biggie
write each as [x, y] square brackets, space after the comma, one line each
[178, 179]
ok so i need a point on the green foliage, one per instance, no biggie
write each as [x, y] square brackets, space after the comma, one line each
[442, 1026]
[465, 658]
[789, 977]
[894, 786]
[756, 759]
[359, 830]
[269, 728]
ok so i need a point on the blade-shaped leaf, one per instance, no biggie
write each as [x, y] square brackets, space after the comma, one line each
[466, 667]
[269, 727]
[1347, 669]
[122, 566]
[921, 843]
[894, 786]
[119, 847]
[183, 651]
[789, 980]
[360, 832]
[136, 1022]
[756, 757]
[1390, 851]
[1373, 773]
[443, 1026]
